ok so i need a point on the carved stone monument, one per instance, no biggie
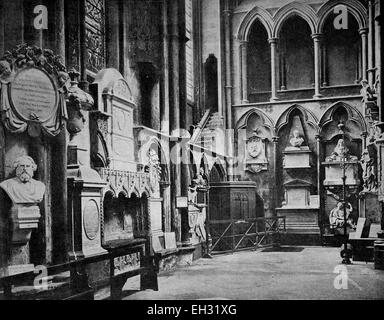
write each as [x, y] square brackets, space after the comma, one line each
[25, 193]
[336, 216]
[301, 214]
[255, 153]
[296, 156]
[333, 166]
[197, 204]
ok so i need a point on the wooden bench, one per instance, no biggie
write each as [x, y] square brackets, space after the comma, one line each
[78, 287]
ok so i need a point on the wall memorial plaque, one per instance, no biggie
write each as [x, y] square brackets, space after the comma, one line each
[91, 220]
[34, 95]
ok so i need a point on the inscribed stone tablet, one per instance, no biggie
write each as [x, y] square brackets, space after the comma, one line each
[33, 94]
[91, 219]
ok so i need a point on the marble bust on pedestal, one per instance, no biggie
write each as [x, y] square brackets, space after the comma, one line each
[296, 141]
[25, 193]
[23, 189]
[341, 152]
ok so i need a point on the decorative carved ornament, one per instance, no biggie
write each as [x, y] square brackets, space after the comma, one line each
[256, 159]
[32, 90]
[126, 182]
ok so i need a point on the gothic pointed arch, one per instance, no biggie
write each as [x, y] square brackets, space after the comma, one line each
[256, 13]
[217, 172]
[356, 8]
[266, 123]
[294, 8]
[308, 117]
[159, 147]
[342, 112]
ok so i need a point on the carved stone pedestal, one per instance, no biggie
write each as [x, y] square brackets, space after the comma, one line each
[297, 158]
[84, 198]
[156, 225]
[24, 220]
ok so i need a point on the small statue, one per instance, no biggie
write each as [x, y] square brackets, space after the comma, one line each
[192, 193]
[154, 170]
[23, 189]
[367, 92]
[296, 141]
[201, 179]
[369, 177]
[336, 216]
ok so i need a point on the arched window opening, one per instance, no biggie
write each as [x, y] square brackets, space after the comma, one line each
[211, 85]
[296, 55]
[259, 60]
[342, 53]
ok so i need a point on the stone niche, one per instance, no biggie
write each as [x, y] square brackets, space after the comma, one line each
[297, 153]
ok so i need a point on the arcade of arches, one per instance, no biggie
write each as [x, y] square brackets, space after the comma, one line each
[190, 126]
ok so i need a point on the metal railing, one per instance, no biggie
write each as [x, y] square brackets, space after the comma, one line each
[235, 235]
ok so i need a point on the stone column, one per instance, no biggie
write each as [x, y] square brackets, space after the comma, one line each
[317, 46]
[282, 72]
[273, 43]
[244, 71]
[60, 206]
[83, 84]
[364, 43]
[228, 85]
[371, 44]
[1, 28]
[324, 63]
[164, 117]
[319, 178]
[174, 106]
[275, 141]
[112, 34]
[379, 53]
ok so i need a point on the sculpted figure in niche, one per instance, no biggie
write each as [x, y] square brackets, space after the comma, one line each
[369, 177]
[154, 169]
[23, 189]
[201, 179]
[336, 216]
[367, 92]
[296, 141]
[341, 152]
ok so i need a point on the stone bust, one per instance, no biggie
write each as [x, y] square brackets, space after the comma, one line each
[23, 189]
[296, 141]
[341, 152]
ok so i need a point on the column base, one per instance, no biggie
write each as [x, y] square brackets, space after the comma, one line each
[317, 96]
[274, 99]
[244, 102]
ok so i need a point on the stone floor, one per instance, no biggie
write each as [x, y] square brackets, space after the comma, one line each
[290, 273]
